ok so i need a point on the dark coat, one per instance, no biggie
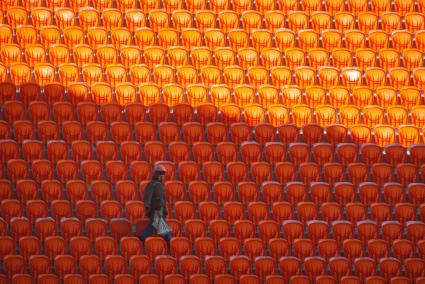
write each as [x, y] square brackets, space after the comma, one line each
[155, 197]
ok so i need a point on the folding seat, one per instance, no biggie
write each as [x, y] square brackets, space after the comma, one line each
[64, 264]
[239, 265]
[382, 173]
[14, 111]
[375, 279]
[233, 210]
[237, 172]
[399, 77]
[36, 209]
[29, 245]
[415, 230]
[303, 248]
[389, 267]
[342, 230]
[32, 149]
[105, 246]
[384, 134]
[409, 96]
[188, 171]
[60, 208]
[353, 249]
[213, 171]
[412, 58]
[95, 227]
[405, 212]
[323, 153]
[292, 229]
[408, 135]
[91, 170]
[355, 212]
[402, 249]
[115, 171]
[391, 230]
[17, 169]
[416, 193]
[45, 227]
[406, 173]
[380, 212]
[175, 191]
[223, 191]
[179, 151]
[309, 172]
[89, 265]
[110, 209]
[364, 267]
[7, 247]
[66, 170]
[228, 20]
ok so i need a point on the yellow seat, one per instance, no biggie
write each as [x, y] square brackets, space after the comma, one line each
[399, 77]
[181, 19]
[284, 38]
[191, 38]
[186, 75]
[344, 20]
[391, 21]
[281, 76]
[134, 19]
[59, 54]
[373, 115]
[92, 73]
[6, 34]
[168, 37]
[49, 36]
[197, 94]
[68, 73]
[355, 40]
[325, 115]
[111, 17]
[367, 21]
[418, 115]
[204, 19]
[115, 73]
[83, 54]
[130, 55]
[301, 115]
[349, 115]
[362, 96]
[17, 16]
[228, 20]
[384, 134]
[365, 58]
[268, 95]
[177, 56]
[144, 37]
[412, 58]
[106, 54]
[308, 39]
[338, 95]
[291, 95]
[153, 55]
[321, 21]
[89, 17]
[386, 96]
[10, 53]
[41, 17]
[397, 115]
[20, 73]
[26, 35]
[273, 19]
[101, 93]
[271, 57]
[150, 93]
[233, 75]
[139, 74]
[408, 135]
[328, 76]
[202, 56]
[210, 75]
[410, 96]
[253, 114]
[375, 77]
[44, 73]
[164, 74]
[173, 94]
[360, 134]
[278, 114]
[258, 76]
[244, 95]
[121, 37]
[220, 94]
[125, 93]
[297, 20]
[158, 19]
[97, 36]
[73, 35]
[247, 57]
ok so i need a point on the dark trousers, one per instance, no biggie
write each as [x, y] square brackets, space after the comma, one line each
[148, 231]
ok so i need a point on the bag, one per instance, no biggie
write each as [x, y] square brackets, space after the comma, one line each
[159, 223]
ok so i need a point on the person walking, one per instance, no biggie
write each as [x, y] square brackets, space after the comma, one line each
[154, 200]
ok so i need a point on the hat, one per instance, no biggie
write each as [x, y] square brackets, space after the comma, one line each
[159, 170]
